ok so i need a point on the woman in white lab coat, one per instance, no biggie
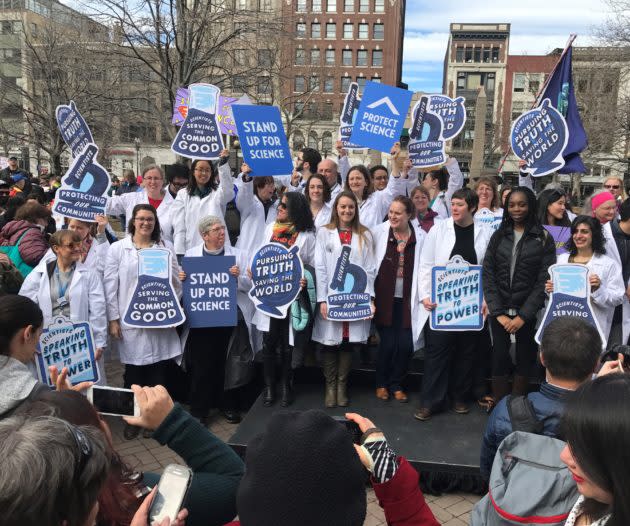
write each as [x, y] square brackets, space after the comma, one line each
[441, 184]
[612, 251]
[587, 246]
[61, 286]
[293, 226]
[146, 353]
[153, 193]
[338, 338]
[209, 191]
[317, 192]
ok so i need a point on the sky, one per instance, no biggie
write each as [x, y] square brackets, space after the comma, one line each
[538, 26]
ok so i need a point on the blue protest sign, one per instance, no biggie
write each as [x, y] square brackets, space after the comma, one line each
[539, 137]
[347, 297]
[154, 304]
[83, 191]
[67, 344]
[487, 218]
[73, 128]
[199, 136]
[209, 291]
[348, 115]
[571, 296]
[276, 275]
[561, 236]
[381, 116]
[452, 113]
[264, 142]
[426, 140]
[456, 288]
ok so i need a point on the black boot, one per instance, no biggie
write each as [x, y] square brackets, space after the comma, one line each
[287, 377]
[269, 366]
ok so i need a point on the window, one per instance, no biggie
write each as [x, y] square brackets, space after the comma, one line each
[345, 84]
[241, 4]
[486, 54]
[379, 6]
[361, 82]
[330, 57]
[239, 83]
[298, 137]
[519, 82]
[331, 30]
[379, 31]
[300, 29]
[468, 54]
[300, 57]
[329, 85]
[489, 84]
[534, 86]
[300, 84]
[6, 28]
[473, 81]
[264, 58]
[312, 109]
[331, 6]
[240, 57]
[477, 54]
[377, 57]
[518, 108]
[346, 57]
[364, 31]
[327, 114]
[263, 87]
[313, 83]
[376, 79]
[348, 31]
[362, 57]
[317, 5]
[348, 6]
[461, 81]
[327, 136]
[301, 6]
[459, 54]
[313, 141]
[364, 6]
[265, 5]
[316, 30]
[495, 54]
[299, 113]
[315, 57]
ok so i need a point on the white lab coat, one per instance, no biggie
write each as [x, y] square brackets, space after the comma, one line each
[95, 259]
[374, 209]
[442, 203]
[188, 210]
[419, 314]
[138, 346]
[437, 251]
[124, 204]
[609, 294]
[86, 298]
[323, 216]
[253, 220]
[613, 252]
[328, 245]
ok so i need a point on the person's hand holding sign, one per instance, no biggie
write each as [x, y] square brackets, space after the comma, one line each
[341, 151]
[234, 270]
[102, 222]
[428, 305]
[595, 282]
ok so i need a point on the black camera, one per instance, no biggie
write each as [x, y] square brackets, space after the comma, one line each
[612, 355]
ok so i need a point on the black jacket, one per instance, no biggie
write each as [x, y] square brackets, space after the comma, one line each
[535, 253]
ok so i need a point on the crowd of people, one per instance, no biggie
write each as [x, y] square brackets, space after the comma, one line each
[399, 225]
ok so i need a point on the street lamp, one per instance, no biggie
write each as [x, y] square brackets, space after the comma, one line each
[136, 143]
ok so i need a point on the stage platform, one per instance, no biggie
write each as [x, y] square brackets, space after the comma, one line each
[448, 443]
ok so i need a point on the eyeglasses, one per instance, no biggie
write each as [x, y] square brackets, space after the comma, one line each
[611, 186]
[85, 449]
[181, 184]
[215, 230]
[203, 171]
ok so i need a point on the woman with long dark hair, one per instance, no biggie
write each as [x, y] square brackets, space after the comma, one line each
[441, 184]
[514, 274]
[317, 193]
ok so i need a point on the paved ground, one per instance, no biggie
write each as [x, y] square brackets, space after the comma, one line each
[147, 455]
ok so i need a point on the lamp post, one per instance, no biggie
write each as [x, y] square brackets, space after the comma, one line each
[136, 143]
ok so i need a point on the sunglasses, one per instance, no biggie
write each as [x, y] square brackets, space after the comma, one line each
[611, 186]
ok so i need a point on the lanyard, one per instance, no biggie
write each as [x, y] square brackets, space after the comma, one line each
[61, 289]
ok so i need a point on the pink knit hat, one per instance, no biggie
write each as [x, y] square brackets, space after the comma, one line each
[600, 199]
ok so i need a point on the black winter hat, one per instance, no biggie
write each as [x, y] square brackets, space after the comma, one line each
[303, 470]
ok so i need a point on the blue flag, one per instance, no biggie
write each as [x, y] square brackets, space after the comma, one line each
[560, 92]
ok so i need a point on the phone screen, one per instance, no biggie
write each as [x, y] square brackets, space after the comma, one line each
[112, 401]
[170, 496]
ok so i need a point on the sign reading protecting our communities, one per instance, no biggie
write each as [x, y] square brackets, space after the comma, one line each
[381, 116]
[456, 288]
[154, 304]
[209, 291]
[348, 299]
[426, 139]
[67, 344]
[263, 139]
[199, 136]
[561, 236]
[452, 113]
[539, 137]
[348, 115]
[571, 296]
[276, 274]
[84, 187]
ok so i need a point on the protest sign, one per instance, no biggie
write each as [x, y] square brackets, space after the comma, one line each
[539, 137]
[571, 296]
[276, 275]
[199, 136]
[347, 297]
[426, 140]
[154, 304]
[225, 117]
[456, 288]
[381, 116]
[209, 291]
[452, 113]
[67, 344]
[348, 115]
[73, 128]
[180, 106]
[263, 139]
[487, 218]
[561, 235]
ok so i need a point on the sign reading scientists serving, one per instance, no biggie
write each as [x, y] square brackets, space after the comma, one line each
[381, 116]
[209, 291]
[539, 137]
[348, 299]
[154, 304]
[262, 137]
[67, 344]
[457, 290]
[276, 275]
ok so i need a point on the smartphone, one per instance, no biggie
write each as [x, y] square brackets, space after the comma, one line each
[113, 401]
[171, 493]
[352, 428]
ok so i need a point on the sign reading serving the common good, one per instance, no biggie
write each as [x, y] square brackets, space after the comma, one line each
[381, 116]
[67, 344]
[348, 115]
[199, 136]
[276, 274]
[539, 137]
[263, 140]
[452, 113]
[456, 289]
[84, 187]
[571, 296]
[561, 236]
[154, 303]
[348, 299]
[209, 291]
[426, 139]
